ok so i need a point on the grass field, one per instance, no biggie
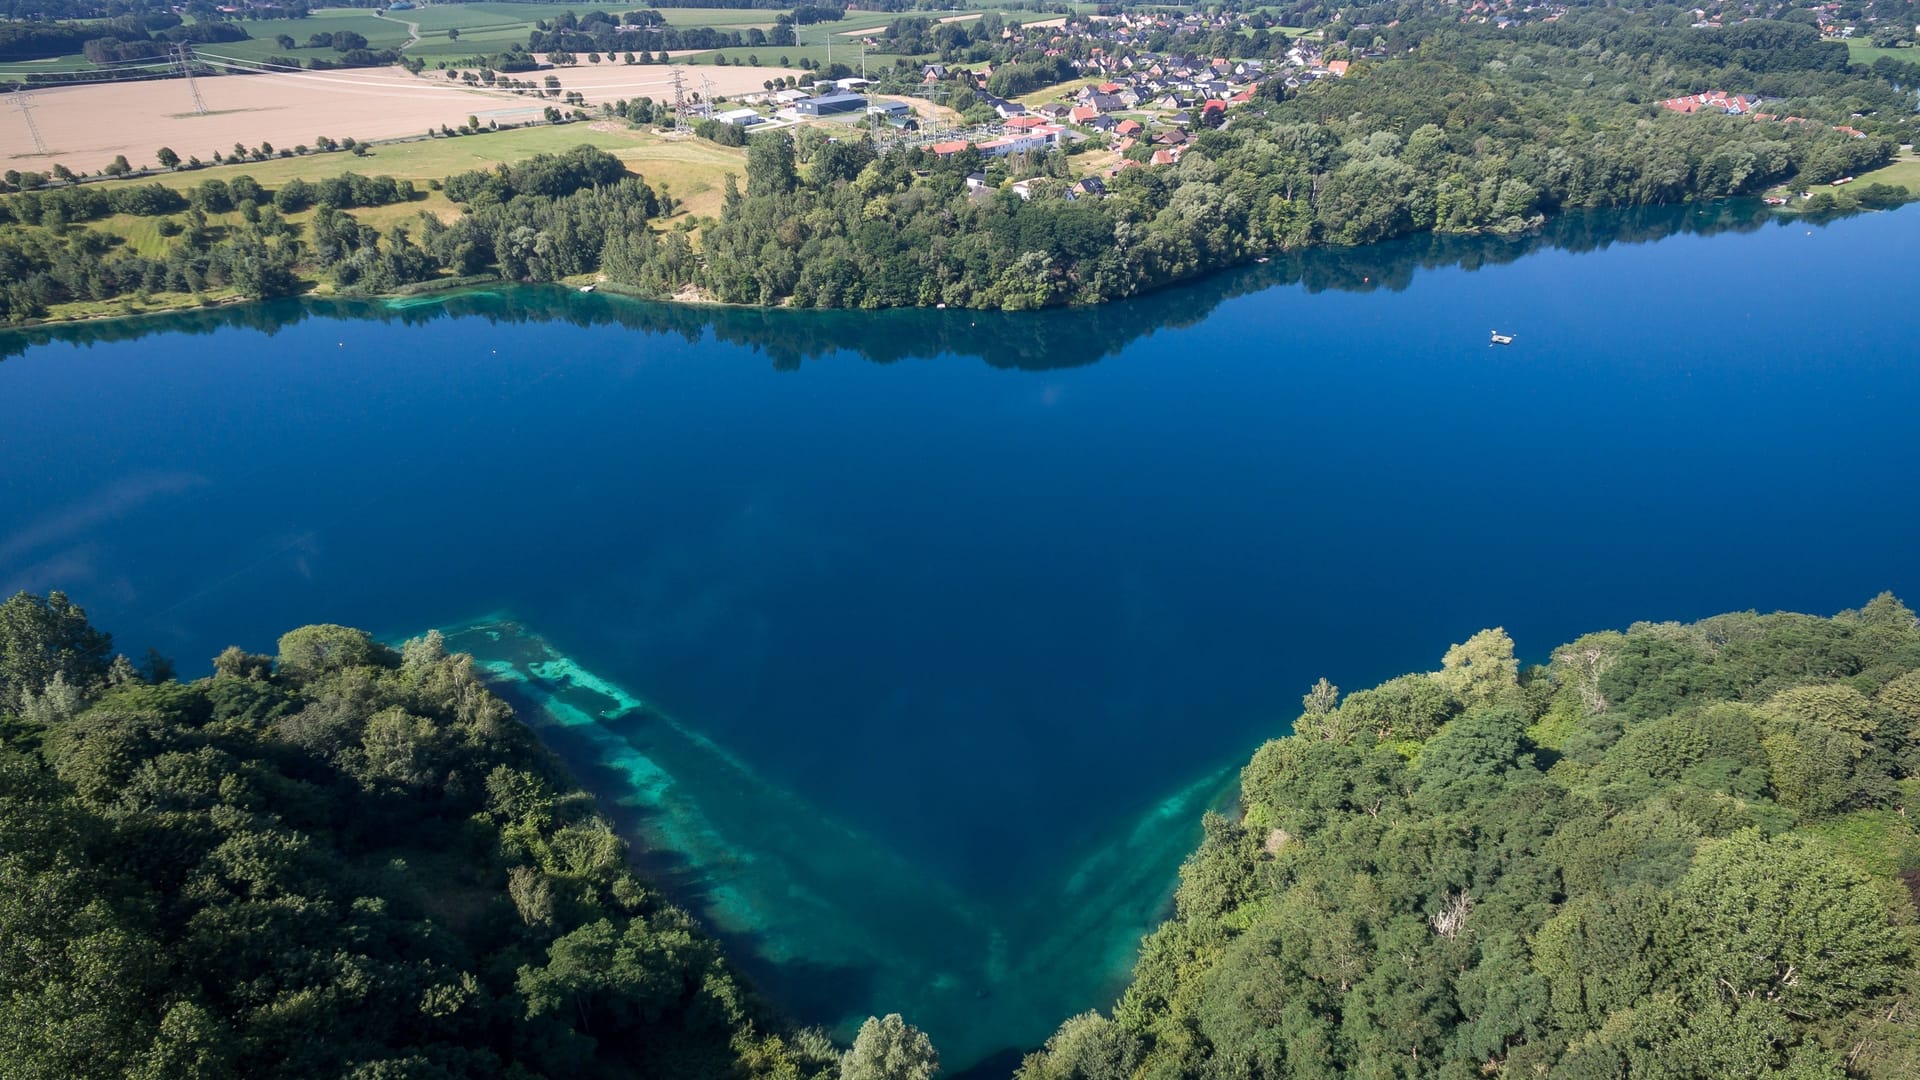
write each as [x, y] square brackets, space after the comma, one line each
[380, 34]
[1860, 52]
[692, 168]
[1904, 172]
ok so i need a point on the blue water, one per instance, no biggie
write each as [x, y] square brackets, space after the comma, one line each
[978, 607]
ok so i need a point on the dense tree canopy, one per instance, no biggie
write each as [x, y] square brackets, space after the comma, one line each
[1677, 852]
[341, 861]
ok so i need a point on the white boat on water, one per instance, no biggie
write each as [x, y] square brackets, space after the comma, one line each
[1501, 339]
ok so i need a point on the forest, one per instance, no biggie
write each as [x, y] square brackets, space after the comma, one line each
[340, 860]
[1678, 852]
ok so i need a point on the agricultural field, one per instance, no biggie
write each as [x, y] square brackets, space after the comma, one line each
[380, 34]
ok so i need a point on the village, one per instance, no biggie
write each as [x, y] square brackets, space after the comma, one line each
[1124, 106]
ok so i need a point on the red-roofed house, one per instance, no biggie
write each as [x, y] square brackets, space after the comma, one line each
[1128, 127]
[942, 149]
[1338, 67]
[1082, 114]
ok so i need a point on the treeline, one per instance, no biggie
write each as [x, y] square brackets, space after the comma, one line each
[340, 860]
[126, 37]
[542, 219]
[1680, 851]
[1391, 150]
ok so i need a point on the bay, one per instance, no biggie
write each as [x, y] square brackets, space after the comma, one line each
[938, 629]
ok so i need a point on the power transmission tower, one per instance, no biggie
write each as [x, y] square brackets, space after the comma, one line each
[183, 54]
[679, 99]
[706, 97]
[22, 98]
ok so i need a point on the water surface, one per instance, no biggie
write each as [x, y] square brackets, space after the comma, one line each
[964, 617]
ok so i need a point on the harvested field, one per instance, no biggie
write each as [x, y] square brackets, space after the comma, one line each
[86, 126]
[612, 82]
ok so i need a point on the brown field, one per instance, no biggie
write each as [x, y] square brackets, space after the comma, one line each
[612, 82]
[86, 126]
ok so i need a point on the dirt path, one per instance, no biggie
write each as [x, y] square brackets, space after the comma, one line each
[413, 29]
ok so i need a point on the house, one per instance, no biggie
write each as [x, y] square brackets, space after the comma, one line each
[976, 180]
[933, 73]
[1024, 123]
[1338, 67]
[1167, 157]
[1174, 137]
[1091, 185]
[832, 104]
[740, 117]
[1713, 101]
[1102, 123]
[1128, 127]
[1083, 114]
[943, 149]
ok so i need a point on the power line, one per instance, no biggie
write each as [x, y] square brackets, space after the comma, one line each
[184, 53]
[23, 98]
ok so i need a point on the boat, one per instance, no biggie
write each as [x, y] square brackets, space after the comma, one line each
[586, 288]
[1501, 339]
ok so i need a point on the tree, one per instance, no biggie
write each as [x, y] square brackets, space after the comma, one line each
[889, 1048]
[44, 637]
[166, 157]
[1483, 742]
[1481, 669]
[1786, 920]
[770, 165]
[453, 34]
[317, 650]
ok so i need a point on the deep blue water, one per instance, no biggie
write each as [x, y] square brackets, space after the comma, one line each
[979, 607]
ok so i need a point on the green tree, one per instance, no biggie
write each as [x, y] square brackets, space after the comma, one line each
[41, 637]
[1481, 669]
[889, 1048]
[770, 165]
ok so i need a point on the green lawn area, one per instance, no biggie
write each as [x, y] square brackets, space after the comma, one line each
[1861, 52]
[1904, 172]
[19, 70]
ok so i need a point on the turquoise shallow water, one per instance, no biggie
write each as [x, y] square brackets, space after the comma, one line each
[913, 643]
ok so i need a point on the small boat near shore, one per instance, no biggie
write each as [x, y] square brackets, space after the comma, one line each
[1501, 339]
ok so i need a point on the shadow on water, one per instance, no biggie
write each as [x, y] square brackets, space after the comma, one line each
[1061, 337]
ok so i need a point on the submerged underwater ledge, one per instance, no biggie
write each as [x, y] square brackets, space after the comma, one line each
[829, 921]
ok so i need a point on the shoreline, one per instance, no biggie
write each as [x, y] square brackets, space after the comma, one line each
[699, 298]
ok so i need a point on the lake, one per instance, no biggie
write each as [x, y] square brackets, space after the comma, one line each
[912, 645]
